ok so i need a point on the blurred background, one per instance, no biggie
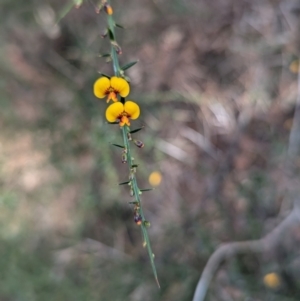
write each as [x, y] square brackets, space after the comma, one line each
[217, 85]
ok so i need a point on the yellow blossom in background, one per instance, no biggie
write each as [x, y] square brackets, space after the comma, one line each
[122, 112]
[272, 280]
[294, 66]
[155, 178]
[111, 88]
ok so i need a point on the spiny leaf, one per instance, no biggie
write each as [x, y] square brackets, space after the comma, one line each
[127, 78]
[136, 130]
[118, 145]
[65, 10]
[147, 189]
[129, 65]
[124, 183]
[104, 55]
[111, 35]
[119, 25]
[103, 74]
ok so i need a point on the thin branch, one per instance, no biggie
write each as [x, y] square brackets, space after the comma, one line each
[294, 139]
[201, 141]
[229, 250]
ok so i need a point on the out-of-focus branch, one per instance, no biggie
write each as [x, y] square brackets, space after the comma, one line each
[229, 250]
[200, 141]
[227, 161]
[273, 238]
[294, 148]
[294, 139]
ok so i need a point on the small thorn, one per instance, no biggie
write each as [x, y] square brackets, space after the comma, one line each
[157, 282]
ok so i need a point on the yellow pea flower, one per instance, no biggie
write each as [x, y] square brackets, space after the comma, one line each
[155, 178]
[122, 112]
[272, 280]
[111, 88]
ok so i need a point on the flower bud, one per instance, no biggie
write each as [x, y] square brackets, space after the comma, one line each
[116, 46]
[104, 34]
[131, 176]
[138, 219]
[124, 157]
[108, 9]
[147, 224]
[139, 143]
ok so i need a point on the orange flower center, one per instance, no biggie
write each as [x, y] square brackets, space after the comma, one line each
[124, 119]
[112, 94]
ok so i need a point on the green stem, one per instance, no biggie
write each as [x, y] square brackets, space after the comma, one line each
[114, 56]
[125, 131]
[136, 192]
